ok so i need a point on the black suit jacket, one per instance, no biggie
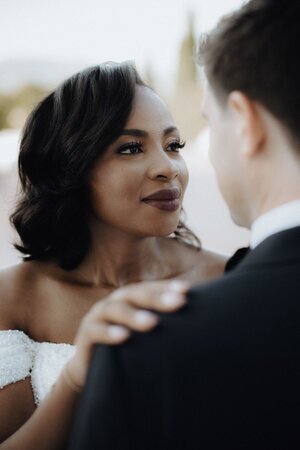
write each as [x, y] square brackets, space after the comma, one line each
[222, 373]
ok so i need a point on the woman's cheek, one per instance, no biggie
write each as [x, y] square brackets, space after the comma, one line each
[184, 175]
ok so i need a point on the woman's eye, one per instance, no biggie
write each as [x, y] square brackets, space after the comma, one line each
[130, 149]
[175, 146]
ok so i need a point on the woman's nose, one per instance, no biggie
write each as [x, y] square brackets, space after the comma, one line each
[163, 168]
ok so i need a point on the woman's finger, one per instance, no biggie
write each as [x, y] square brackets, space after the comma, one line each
[121, 313]
[159, 296]
[102, 333]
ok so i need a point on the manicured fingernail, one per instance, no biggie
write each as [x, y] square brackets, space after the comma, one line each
[172, 299]
[145, 317]
[117, 332]
[178, 286]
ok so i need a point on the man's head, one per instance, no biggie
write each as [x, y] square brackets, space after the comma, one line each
[252, 65]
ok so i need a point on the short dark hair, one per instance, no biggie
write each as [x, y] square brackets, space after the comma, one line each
[62, 139]
[256, 50]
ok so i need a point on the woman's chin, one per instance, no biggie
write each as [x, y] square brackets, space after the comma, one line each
[164, 231]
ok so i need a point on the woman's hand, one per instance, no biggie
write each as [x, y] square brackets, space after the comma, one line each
[110, 319]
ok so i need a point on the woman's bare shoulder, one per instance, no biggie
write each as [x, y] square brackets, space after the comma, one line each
[194, 264]
[15, 277]
[16, 286]
[201, 264]
[210, 263]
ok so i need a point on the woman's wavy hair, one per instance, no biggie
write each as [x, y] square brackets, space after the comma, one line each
[62, 138]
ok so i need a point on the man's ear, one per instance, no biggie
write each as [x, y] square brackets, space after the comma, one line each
[248, 121]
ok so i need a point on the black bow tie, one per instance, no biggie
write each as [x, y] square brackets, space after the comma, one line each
[236, 258]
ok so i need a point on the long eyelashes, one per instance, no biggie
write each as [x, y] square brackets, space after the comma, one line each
[177, 145]
[130, 148]
[134, 147]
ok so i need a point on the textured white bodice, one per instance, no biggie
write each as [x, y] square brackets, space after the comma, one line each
[21, 357]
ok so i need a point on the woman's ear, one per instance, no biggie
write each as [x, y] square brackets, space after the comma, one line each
[248, 121]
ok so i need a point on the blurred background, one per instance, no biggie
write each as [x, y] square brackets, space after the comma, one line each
[44, 42]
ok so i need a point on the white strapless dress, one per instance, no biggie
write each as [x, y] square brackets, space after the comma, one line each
[21, 357]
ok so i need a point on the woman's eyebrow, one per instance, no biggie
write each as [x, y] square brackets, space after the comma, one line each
[134, 132]
[143, 133]
[170, 130]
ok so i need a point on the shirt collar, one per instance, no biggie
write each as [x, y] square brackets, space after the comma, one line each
[278, 219]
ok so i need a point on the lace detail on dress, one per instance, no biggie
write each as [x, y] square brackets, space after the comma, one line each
[49, 360]
[16, 356]
[21, 357]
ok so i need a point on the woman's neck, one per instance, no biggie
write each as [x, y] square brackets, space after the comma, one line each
[116, 258]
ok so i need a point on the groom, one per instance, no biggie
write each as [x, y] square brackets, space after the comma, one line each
[224, 373]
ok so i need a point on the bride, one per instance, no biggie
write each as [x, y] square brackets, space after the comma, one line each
[102, 183]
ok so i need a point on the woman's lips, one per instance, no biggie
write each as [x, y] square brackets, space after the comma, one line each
[164, 205]
[165, 200]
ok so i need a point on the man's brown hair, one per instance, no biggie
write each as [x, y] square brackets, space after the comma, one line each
[256, 50]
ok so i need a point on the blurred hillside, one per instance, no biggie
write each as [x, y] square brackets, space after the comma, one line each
[14, 75]
[8, 184]
[24, 83]
[15, 106]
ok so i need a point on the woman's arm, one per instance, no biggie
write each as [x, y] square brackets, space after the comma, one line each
[107, 322]
[49, 425]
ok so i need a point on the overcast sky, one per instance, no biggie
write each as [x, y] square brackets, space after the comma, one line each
[93, 31]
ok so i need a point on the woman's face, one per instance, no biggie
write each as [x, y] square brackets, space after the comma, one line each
[137, 186]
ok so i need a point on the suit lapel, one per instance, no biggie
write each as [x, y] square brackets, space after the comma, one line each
[280, 248]
[236, 259]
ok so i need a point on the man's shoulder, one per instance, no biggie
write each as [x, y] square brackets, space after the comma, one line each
[218, 310]
[262, 272]
[220, 313]
[236, 318]
[230, 284]
[210, 307]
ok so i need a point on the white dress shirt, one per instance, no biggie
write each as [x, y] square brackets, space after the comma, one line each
[278, 219]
